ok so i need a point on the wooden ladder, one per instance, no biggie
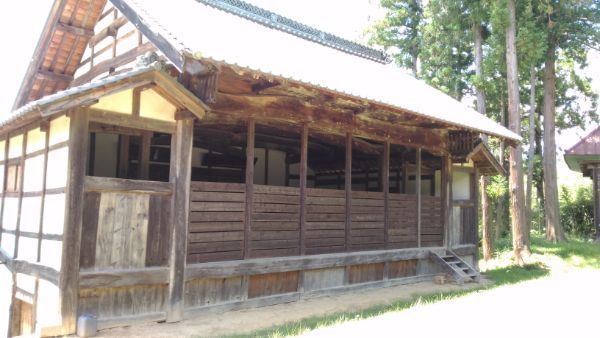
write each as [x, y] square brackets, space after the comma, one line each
[458, 269]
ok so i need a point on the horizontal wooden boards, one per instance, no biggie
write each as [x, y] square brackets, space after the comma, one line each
[272, 284]
[216, 229]
[272, 207]
[325, 221]
[432, 226]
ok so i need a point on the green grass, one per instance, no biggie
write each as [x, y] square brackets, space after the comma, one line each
[573, 254]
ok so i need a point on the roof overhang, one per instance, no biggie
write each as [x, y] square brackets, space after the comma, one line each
[485, 161]
[581, 163]
[90, 93]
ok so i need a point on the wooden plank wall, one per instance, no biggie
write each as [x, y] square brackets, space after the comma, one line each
[33, 167]
[216, 230]
[325, 221]
[432, 226]
[468, 225]
[367, 227]
[403, 221]
[124, 230]
[275, 228]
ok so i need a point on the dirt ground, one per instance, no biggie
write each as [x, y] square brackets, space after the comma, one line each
[250, 320]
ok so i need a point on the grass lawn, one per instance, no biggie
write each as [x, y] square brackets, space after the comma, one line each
[546, 258]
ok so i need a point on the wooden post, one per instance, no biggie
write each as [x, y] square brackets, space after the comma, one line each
[20, 178]
[303, 172]
[595, 178]
[144, 168]
[123, 161]
[249, 198]
[385, 183]
[249, 186]
[69, 277]
[418, 190]
[404, 174]
[348, 187]
[446, 197]
[266, 177]
[475, 198]
[180, 178]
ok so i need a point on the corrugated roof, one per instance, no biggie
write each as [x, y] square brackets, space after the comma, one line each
[212, 34]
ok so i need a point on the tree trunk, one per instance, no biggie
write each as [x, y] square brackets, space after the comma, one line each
[500, 221]
[531, 151]
[539, 179]
[413, 64]
[554, 230]
[515, 184]
[488, 247]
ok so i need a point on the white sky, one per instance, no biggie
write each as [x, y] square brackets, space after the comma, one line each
[21, 24]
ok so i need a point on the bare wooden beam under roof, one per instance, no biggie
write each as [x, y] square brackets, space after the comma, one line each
[75, 30]
[52, 76]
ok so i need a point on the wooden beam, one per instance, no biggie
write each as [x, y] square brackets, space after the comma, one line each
[180, 178]
[257, 266]
[418, 189]
[107, 184]
[249, 186]
[303, 172]
[79, 31]
[327, 120]
[77, 163]
[129, 121]
[52, 76]
[173, 53]
[110, 30]
[104, 66]
[385, 181]
[348, 188]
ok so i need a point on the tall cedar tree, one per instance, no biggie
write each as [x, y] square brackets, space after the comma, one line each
[520, 250]
[573, 27]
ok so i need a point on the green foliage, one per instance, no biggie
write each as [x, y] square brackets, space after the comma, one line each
[577, 211]
[498, 187]
[400, 31]
[447, 54]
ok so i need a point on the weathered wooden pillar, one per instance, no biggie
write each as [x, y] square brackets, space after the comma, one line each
[303, 172]
[249, 185]
[418, 190]
[248, 208]
[69, 276]
[348, 187]
[596, 186]
[180, 178]
[385, 182]
[404, 174]
[446, 197]
[475, 198]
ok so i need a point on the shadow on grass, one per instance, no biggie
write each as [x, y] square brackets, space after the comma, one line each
[501, 276]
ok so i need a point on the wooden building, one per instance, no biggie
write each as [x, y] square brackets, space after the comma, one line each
[584, 157]
[166, 158]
